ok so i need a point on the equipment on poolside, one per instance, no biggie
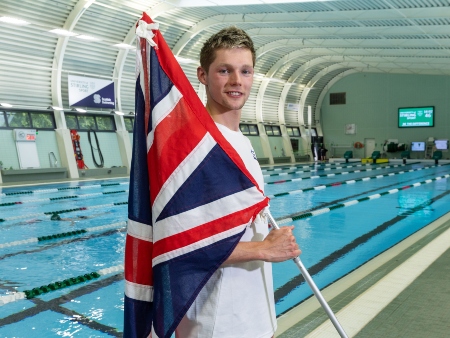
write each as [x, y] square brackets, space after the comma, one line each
[313, 287]
[77, 149]
[26, 148]
[102, 162]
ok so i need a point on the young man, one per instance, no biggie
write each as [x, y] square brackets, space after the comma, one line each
[238, 300]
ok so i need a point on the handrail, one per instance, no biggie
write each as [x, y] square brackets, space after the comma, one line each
[55, 163]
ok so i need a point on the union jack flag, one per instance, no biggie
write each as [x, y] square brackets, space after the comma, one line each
[190, 195]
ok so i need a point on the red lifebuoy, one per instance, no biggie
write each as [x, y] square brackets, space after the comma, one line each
[77, 149]
[358, 145]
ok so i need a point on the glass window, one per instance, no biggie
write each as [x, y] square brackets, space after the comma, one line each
[269, 130]
[244, 129]
[276, 131]
[2, 120]
[290, 131]
[296, 131]
[18, 120]
[71, 122]
[129, 123]
[86, 122]
[313, 132]
[105, 123]
[253, 129]
[42, 120]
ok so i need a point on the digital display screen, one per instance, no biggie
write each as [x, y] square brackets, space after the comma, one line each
[441, 144]
[31, 137]
[416, 117]
[417, 146]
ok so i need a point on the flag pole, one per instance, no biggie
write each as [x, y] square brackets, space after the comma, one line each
[314, 287]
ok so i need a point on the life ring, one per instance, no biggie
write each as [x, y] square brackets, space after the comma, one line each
[358, 145]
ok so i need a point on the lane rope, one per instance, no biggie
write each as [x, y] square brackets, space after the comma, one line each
[320, 166]
[336, 174]
[63, 198]
[345, 172]
[353, 202]
[336, 184]
[63, 234]
[29, 294]
[48, 191]
[50, 213]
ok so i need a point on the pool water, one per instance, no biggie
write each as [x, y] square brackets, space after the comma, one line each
[334, 241]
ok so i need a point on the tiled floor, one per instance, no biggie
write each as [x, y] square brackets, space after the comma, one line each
[404, 292]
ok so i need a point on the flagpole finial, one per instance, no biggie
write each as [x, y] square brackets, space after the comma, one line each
[144, 30]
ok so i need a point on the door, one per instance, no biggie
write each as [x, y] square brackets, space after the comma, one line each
[369, 147]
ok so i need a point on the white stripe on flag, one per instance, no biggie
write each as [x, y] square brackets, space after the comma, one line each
[205, 213]
[140, 230]
[181, 173]
[161, 110]
[198, 245]
[139, 291]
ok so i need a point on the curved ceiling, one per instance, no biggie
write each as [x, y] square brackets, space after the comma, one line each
[302, 47]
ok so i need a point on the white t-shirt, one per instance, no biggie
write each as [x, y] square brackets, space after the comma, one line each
[238, 300]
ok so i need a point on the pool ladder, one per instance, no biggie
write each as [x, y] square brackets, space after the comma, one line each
[54, 163]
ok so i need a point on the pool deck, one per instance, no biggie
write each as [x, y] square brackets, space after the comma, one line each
[403, 292]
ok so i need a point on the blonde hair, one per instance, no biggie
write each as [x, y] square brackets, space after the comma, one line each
[230, 37]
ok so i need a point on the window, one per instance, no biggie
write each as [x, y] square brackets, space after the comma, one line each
[249, 129]
[18, 120]
[86, 122]
[273, 130]
[105, 123]
[71, 121]
[129, 123]
[293, 131]
[42, 120]
[27, 119]
[337, 98]
[94, 122]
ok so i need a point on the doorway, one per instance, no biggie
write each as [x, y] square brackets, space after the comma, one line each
[369, 147]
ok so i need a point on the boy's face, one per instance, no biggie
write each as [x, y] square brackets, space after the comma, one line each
[229, 80]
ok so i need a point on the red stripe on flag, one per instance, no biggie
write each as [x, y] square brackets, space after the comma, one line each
[175, 138]
[138, 261]
[206, 230]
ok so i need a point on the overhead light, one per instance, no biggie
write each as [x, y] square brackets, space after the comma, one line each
[79, 110]
[117, 112]
[87, 37]
[6, 105]
[55, 108]
[184, 60]
[201, 3]
[124, 46]
[14, 21]
[88, 3]
[62, 32]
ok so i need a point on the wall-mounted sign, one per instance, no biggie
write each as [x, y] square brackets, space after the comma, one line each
[293, 106]
[91, 92]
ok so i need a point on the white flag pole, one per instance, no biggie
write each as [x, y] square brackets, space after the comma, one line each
[314, 287]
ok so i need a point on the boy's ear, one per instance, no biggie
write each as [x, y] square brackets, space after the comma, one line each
[201, 75]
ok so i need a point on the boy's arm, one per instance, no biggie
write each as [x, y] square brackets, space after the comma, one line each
[278, 246]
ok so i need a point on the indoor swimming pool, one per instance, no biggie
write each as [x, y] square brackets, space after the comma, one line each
[344, 215]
